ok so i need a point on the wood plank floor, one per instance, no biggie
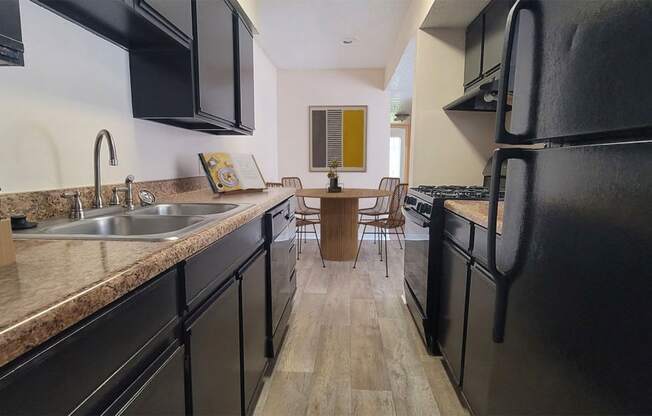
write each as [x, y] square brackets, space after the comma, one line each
[352, 348]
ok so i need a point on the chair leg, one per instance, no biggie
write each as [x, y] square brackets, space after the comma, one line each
[364, 229]
[398, 237]
[319, 246]
[375, 236]
[386, 259]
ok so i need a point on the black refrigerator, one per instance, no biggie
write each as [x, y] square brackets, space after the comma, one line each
[562, 323]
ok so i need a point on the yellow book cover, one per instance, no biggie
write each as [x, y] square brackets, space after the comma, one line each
[228, 172]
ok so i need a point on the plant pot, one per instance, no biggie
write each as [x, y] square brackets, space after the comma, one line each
[333, 186]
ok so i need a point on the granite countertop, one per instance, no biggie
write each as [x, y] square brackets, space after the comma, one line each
[476, 212]
[57, 283]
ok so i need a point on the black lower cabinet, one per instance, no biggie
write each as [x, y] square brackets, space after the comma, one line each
[252, 289]
[213, 342]
[84, 369]
[479, 342]
[160, 390]
[452, 307]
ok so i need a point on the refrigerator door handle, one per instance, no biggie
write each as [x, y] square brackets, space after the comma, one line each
[501, 279]
[502, 135]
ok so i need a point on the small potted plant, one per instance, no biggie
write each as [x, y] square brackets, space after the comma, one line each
[332, 176]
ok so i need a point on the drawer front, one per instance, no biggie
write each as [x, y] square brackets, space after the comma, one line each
[206, 270]
[480, 245]
[98, 358]
[281, 216]
[458, 230]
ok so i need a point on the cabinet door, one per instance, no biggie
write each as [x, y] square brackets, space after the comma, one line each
[253, 325]
[473, 51]
[214, 339]
[478, 356]
[495, 19]
[177, 12]
[452, 307]
[215, 60]
[161, 391]
[246, 76]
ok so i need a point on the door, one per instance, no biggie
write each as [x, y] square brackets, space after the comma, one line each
[473, 51]
[215, 59]
[177, 12]
[417, 242]
[495, 18]
[581, 71]
[214, 342]
[162, 391]
[246, 76]
[576, 256]
[478, 351]
[452, 307]
[252, 291]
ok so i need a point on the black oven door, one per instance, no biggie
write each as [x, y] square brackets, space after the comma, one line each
[417, 237]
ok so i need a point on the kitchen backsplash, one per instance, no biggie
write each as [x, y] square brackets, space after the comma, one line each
[40, 205]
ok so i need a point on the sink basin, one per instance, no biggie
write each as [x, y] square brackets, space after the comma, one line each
[125, 225]
[154, 223]
[186, 209]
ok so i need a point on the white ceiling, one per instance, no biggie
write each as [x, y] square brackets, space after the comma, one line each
[453, 13]
[308, 34]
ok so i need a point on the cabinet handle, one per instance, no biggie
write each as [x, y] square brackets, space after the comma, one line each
[502, 135]
[501, 279]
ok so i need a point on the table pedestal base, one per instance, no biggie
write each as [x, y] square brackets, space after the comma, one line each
[339, 228]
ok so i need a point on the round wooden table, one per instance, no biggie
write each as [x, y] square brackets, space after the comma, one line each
[339, 219]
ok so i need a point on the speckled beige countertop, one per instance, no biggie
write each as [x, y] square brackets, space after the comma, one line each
[55, 283]
[475, 211]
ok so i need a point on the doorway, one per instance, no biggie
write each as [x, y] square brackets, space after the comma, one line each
[399, 151]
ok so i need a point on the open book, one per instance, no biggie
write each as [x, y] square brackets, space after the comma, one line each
[232, 171]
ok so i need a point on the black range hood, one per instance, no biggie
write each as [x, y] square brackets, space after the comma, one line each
[11, 41]
[479, 98]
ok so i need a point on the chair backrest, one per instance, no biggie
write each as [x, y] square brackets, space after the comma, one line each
[273, 184]
[386, 184]
[396, 202]
[295, 182]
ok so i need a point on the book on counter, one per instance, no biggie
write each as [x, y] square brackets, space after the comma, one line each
[229, 172]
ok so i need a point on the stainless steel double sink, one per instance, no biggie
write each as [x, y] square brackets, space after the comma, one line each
[158, 222]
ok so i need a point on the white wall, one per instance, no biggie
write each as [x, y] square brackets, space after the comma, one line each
[299, 89]
[74, 84]
[447, 147]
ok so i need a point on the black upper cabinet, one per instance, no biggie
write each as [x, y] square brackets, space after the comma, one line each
[11, 41]
[473, 51]
[131, 24]
[484, 42]
[174, 15]
[495, 18]
[215, 60]
[245, 102]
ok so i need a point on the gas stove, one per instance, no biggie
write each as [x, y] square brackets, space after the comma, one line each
[421, 198]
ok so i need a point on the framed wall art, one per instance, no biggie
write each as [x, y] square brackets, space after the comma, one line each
[338, 133]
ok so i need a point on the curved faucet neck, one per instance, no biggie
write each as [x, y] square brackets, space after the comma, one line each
[113, 161]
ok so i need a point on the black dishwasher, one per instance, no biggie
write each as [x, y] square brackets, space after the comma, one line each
[280, 226]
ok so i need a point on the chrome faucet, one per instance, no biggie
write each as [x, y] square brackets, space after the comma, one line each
[113, 161]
